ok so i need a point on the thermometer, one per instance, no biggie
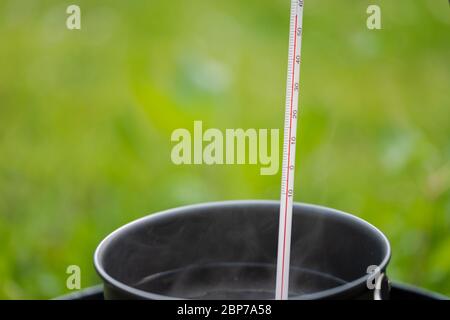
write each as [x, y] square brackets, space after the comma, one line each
[290, 139]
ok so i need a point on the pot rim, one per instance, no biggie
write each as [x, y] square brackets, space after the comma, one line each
[329, 293]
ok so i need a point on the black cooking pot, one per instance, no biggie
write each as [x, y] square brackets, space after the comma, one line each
[227, 250]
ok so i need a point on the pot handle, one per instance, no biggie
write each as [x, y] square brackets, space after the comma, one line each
[382, 288]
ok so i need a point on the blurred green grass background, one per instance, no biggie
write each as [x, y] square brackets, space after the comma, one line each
[86, 118]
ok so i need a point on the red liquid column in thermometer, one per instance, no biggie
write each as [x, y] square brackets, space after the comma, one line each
[290, 133]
